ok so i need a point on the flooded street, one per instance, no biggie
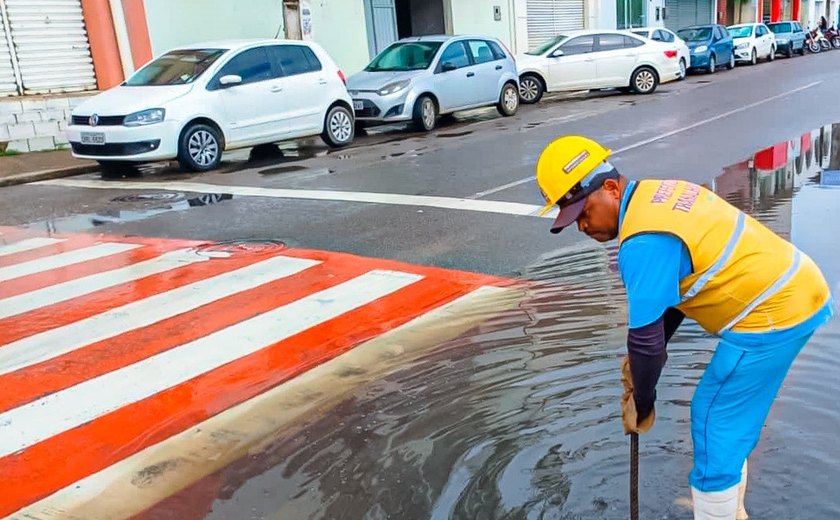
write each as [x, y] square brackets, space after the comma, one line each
[521, 418]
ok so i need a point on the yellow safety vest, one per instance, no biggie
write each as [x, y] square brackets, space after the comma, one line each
[746, 278]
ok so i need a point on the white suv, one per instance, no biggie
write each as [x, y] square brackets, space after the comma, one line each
[193, 103]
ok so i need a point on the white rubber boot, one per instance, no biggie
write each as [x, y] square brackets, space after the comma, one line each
[742, 490]
[715, 505]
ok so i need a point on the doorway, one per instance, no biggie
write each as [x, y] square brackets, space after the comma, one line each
[390, 20]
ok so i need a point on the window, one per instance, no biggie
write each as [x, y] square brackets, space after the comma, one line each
[481, 51]
[759, 31]
[667, 36]
[405, 56]
[579, 45]
[175, 68]
[630, 42]
[295, 59]
[696, 35]
[783, 27]
[456, 55]
[497, 51]
[610, 42]
[252, 66]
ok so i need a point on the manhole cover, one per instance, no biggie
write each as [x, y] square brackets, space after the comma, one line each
[168, 196]
[230, 248]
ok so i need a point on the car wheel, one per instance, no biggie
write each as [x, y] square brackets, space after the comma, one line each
[731, 64]
[200, 148]
[789, 51]
[117, 169]
[683, 69]
[802, 49]
[508, 100]
[772, 55]
[531, 88]
[339, 127]
[712, 64]
[644, 80]
[753, 57]
[425, 114]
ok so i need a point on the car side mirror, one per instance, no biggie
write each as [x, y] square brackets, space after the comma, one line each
[448, 67]
[230, 80]
[557, 53]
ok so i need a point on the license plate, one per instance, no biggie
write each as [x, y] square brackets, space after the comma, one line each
[358, 105]
[93, 138]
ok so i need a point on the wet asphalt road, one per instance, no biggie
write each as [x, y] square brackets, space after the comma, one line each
[517, 419]
[714, 121]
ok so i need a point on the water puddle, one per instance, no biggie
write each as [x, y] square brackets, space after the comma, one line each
[148, 205]
[520, 418]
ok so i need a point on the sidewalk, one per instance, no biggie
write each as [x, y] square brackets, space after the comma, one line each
[37, 166]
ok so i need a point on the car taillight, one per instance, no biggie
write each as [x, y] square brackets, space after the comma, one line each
[342, 77]
[670, 54]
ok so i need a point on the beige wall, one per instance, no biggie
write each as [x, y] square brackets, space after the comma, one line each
[476, 17]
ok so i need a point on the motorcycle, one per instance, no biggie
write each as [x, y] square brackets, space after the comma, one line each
[833, 36]
[821, 39]
[811, 41]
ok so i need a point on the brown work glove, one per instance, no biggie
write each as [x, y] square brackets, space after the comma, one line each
[628, 405]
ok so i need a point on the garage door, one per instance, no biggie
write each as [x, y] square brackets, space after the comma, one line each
[49, 48]
[682, 13]
[548, 18]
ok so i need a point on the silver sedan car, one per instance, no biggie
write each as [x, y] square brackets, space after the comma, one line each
[418, 79]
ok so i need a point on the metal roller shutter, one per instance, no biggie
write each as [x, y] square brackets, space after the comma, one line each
[672, 15]
[8, 83]
[704, 12]
[548, 18]
[51, 45]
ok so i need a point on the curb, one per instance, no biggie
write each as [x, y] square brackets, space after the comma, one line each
[42, 175]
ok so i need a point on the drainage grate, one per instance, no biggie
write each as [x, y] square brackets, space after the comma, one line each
[242, 247]
[168, 196]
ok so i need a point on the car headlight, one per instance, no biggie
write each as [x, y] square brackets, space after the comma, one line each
[742, 46]
[393, 88]
[702, 48]
[145, 117]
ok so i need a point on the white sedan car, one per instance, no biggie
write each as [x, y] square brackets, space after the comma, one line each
[661, 34]
[193, 103]
[596, 59]
[752, 41]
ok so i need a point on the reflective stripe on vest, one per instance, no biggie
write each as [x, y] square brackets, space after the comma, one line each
[773, 289]
[718, 265]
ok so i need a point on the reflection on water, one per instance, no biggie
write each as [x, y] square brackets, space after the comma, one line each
[520, 419]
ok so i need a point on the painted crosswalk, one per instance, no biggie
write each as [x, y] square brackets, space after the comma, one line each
[111, 345]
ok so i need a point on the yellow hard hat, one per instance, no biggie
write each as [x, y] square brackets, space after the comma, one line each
[564, 163]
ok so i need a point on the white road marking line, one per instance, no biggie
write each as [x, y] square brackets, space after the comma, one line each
[503, 187]
[28, 244]
[485, 206]
[70, 289]
[64, 259]
[24, 426]
[61, 340]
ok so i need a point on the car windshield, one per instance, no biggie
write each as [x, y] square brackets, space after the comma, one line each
[405, 56]
[175, 68]
[697, 34]
[542, 49]
[741, 32]
[780, 27]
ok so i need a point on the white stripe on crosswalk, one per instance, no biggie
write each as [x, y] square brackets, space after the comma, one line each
[141, 313]
[70, 289]
[64, 259]
[24, 426]
[28, 244]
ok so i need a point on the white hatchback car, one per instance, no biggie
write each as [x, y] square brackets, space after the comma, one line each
[752, 41]
[595, 59]
[193, 103]
[661, 34]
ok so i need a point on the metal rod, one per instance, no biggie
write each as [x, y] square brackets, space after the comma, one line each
[634, 476]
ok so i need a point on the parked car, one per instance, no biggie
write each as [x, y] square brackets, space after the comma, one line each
[790, 37]
[194, 102]
[594, 59]
[661, 34]
[753, 41]
[710, 46]
[419, 79]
